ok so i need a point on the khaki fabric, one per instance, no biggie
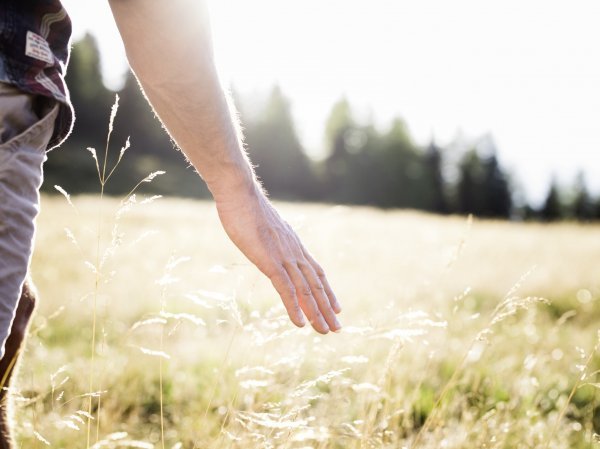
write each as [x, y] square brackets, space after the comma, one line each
[24, 137]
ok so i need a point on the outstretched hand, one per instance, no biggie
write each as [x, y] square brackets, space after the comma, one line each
[255, 227]
[192, 106]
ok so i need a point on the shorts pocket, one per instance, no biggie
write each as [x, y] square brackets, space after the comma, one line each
[35, 137]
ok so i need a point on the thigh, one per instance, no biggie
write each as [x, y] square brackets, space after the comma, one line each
[21, 159]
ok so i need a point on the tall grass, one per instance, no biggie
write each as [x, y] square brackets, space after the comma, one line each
[434, 354]
[104, 173]
[415, 358]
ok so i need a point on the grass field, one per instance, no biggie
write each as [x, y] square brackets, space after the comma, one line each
[457, 334]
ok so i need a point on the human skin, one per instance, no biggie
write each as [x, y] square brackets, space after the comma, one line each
[169, 48]
[13, 347]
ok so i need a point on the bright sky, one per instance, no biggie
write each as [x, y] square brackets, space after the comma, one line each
[528, 72]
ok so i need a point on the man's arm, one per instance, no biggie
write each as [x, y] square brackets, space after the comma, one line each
[169, 48]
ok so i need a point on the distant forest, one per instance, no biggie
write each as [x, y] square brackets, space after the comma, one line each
[363, 165]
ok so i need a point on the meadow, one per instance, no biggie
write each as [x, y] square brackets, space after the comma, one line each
[458, 333]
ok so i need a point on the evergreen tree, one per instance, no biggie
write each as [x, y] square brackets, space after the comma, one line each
[469, 195]
[151, 149]
[84, 79]
[483, 188]
[277, 153]
[398, 170]
[583, 205]
[351, 169]
[529, 213]
[552, 208]
[71, 166]
[340, 120]
[435, 181]
[338, 127]
[364, 166]
[497, 197]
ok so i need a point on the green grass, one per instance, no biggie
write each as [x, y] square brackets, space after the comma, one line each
[247, 378]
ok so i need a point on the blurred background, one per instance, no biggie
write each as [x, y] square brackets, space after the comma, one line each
[452, 107]
[468, 107]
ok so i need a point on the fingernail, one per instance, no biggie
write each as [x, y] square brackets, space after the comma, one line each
[338, 326]
[302, 321]
[323, 325]
[336, 306]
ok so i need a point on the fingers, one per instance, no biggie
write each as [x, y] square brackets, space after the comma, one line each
[301, 290]
[317, 291]
[287, 292]
[335, 305]
[306, 299]
[297, 277]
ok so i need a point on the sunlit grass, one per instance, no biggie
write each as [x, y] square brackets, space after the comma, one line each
[459, 333]
[417, 290]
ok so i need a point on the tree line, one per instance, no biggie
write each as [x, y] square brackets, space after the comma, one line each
[363, 165]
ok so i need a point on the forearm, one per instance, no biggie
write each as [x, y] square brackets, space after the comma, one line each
[169, 48]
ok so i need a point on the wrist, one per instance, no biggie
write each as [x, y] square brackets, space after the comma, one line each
[233, 184]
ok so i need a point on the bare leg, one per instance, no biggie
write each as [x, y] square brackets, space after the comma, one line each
[14, 345]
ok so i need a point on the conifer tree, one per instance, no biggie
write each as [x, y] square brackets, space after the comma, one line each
[552, 208]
